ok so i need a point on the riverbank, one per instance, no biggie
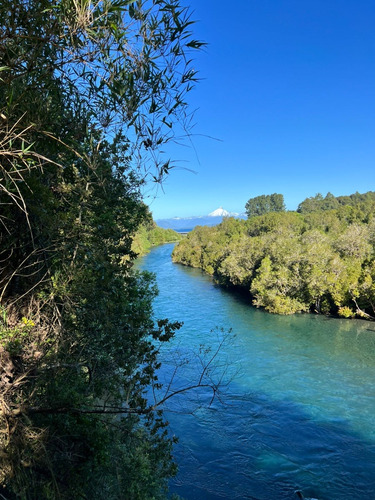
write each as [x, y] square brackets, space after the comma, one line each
[322, 262]
[151, 235]
[299, 413]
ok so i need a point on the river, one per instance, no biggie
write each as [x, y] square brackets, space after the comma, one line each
[299, 412]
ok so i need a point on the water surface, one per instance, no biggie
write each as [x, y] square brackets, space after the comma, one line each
[300, 410]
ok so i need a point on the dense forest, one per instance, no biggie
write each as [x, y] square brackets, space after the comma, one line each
[149, 234]
[89, 94]
[319, 259]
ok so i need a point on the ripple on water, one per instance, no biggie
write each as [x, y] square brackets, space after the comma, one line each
[301, 410]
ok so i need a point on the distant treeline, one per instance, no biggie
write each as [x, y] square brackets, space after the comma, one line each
[319, 259]
[149, 235]
[330, 202]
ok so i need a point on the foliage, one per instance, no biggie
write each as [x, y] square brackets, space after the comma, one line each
[319, 261]
[264, 204]
[149, 235]
[89, 92]
[330, 202]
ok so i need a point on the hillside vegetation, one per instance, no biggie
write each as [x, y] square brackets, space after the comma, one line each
[89, 94]
[149, 234]
[319, 259]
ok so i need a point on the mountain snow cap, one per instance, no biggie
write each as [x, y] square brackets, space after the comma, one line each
[219, 212]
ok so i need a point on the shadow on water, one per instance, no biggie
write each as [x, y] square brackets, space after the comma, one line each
[300, 415]
[264, 449]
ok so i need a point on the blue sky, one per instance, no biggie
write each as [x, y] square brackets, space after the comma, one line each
[288, 94]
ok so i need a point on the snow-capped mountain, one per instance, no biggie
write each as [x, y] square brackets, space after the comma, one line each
[220, 212]
[186, 224]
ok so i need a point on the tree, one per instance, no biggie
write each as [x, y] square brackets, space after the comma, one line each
[317, 202]
[330, 202]
[264, 204]
[321, 261]
[89, 92]
[311, 204]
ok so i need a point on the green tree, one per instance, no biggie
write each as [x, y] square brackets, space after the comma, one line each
[275, 288]
[89, 92]
[149, 235]
[264, 204]
[311, 204]
[330, 202]
[319, 261]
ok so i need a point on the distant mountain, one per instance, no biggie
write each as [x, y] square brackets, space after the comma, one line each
[186, 224]
[220, 212]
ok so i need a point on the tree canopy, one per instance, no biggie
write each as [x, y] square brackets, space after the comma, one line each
[264, 204]
[321, 261]
[89, 93]
[330, 202]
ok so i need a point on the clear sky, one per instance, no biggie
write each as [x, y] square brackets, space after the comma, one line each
[288, 93]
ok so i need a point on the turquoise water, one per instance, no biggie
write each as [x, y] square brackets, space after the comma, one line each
[299, 412]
